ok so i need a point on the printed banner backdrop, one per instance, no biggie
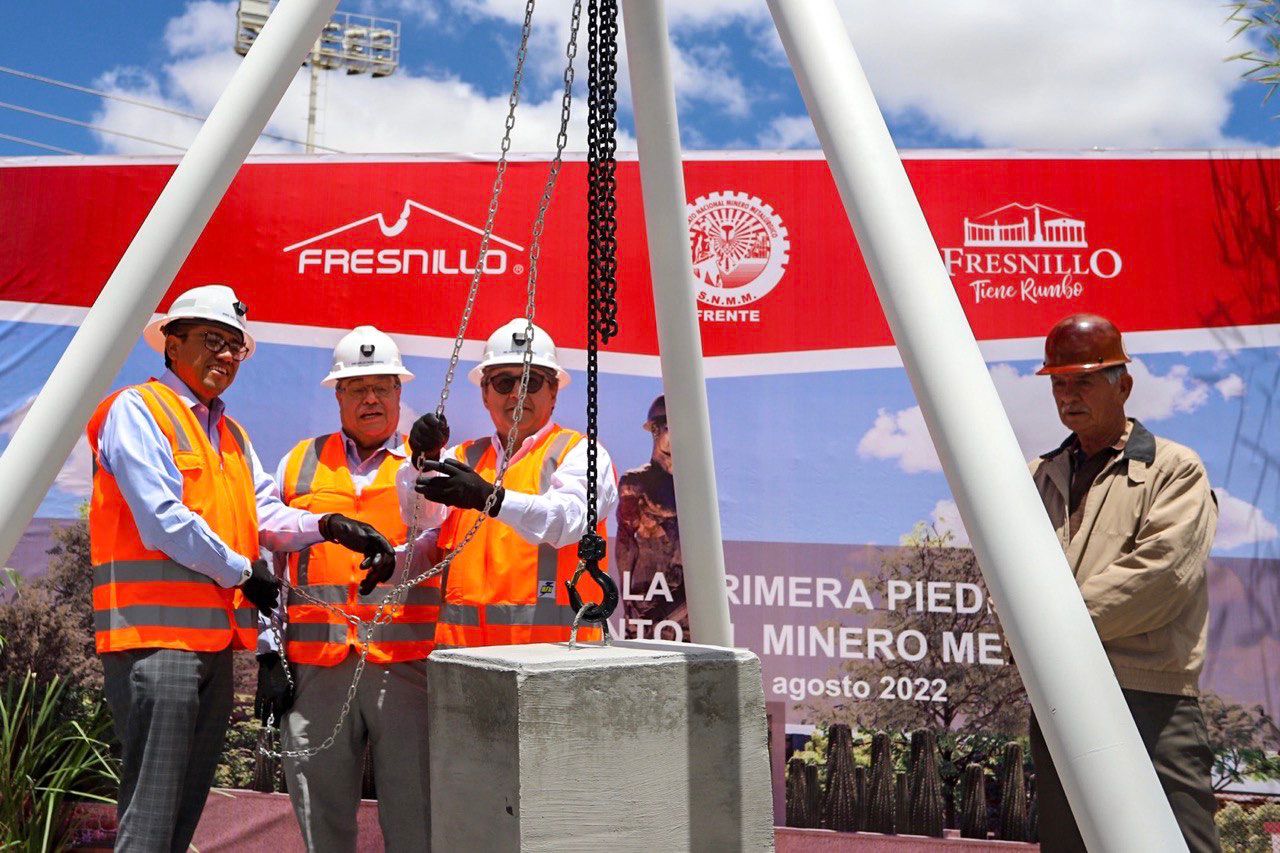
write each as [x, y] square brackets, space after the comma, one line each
[849, 569]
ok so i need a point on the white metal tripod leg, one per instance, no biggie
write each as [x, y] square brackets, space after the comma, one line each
[679, 343]
[1108, 778]
[114, 323]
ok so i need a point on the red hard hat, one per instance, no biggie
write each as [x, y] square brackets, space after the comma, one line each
[1082, 343]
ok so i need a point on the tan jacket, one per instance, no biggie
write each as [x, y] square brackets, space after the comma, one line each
[1139, 556]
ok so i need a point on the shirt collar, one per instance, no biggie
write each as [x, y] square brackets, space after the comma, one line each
[500, 442]
[1136, 442]
[393, 445]
[171, 381]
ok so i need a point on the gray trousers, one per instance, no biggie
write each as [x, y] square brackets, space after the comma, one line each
[170, 710]
[389, 713]
[1173, 731]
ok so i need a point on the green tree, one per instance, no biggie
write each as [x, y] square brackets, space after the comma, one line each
[1244, 741]
[978, 697]
[1241, 830]
[47, 623]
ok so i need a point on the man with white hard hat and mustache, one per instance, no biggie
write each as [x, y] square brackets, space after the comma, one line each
[181, 509]
[353, 471]
[506, 586]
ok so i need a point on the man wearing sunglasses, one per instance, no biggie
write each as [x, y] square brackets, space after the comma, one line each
[180, 512]
[506, 586]
[353, 471]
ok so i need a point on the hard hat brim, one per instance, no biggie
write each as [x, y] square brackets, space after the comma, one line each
[365, 370]
[154, 335]
[476, 374]
[1091, 367]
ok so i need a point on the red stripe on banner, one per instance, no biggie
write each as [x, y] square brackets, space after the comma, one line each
[1156, 244]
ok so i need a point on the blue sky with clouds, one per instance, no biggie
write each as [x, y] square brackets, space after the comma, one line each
[984, 73]
[887, 476]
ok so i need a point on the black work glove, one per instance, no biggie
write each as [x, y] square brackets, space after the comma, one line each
[379, 560]
[274, 697]
[458, 485]
[428, 437]
[262, 588]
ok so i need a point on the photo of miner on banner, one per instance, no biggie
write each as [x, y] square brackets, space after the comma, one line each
[648, 542]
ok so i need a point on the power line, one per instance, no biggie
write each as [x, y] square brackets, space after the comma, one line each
[65, 120]
[35, 144]
[27, 75]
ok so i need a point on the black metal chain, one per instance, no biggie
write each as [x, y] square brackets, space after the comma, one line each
[602, 266]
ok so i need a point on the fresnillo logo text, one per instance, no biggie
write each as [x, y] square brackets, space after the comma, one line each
[1029, 253]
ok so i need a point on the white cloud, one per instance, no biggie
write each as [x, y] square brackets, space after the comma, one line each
[1052, 74]
[1241, 523]
[705, 71]
[901, 436]
[1031, 74]
[1155, 398]
[1230, 386]
[1028, 402]
[788, 132]
[190, 32]
[76, 475]
[401, 113]
[946, 519]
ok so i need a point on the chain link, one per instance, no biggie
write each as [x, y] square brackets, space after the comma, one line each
[396, 594]
[602, 268]
[495, 194]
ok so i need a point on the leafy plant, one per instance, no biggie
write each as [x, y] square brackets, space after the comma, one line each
[52, 748]
[1262, 18]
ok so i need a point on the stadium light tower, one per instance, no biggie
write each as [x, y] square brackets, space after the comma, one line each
[354, 43]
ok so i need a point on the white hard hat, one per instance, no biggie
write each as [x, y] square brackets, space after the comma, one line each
[507, 346]
[365, 351]
[215, 303]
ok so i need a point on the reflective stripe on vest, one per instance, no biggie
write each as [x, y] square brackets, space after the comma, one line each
[317, 479]
[169, 616]
[142, 598]
[528, 605]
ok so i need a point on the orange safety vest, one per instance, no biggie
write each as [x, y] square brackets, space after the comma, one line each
[142, 599]
[501, 590]
[316, 479]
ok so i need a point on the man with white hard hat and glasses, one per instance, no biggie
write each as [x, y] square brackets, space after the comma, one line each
[181, 509]
[353, 471]
[506, 586]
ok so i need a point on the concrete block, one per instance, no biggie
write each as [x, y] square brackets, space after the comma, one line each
[643, 745]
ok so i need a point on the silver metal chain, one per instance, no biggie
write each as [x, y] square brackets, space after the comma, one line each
[396, 594]
[496, 193]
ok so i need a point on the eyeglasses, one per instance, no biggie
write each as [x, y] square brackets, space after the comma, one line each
[216, 343]
[359, 392]
[504, 382]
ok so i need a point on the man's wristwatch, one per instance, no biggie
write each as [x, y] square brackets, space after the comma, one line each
[245, 574]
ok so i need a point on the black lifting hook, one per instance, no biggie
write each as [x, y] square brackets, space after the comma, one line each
[591, 549]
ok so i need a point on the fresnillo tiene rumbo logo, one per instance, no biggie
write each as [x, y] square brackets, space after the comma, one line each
[1030, 253]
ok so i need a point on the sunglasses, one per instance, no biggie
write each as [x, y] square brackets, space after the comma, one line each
[216, 343]
[504, 382]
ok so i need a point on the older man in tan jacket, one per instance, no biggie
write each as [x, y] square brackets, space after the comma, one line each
[1136, 518]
